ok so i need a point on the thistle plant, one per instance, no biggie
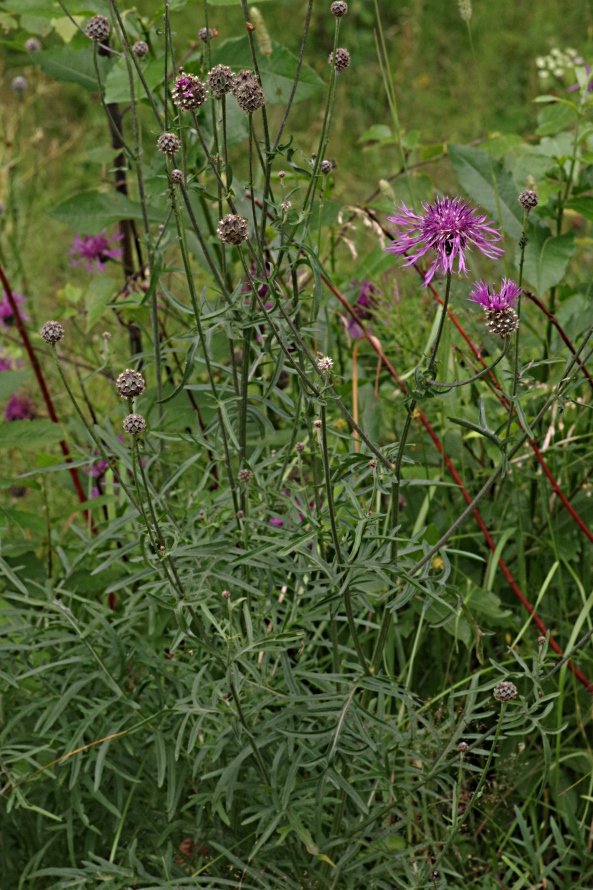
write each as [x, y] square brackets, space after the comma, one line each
[271, 649]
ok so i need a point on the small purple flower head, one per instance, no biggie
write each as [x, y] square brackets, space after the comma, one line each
[93, 250]
[450, 226]
[6, 316]
[20, 408]
[506, 298]
[275, 520]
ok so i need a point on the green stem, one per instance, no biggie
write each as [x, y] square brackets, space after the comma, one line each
[336, 541]
[522, 246]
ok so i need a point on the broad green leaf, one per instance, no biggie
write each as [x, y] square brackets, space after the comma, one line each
[584, 206]
[31, 7]
[553, 118]
[489, 185]
[97, 298]
[377, 133]
[10, 382]
[117, 84]
[277, 70]
[66, 28]
[91, 212]
[546, 257]
[30, 434]
[73, 65]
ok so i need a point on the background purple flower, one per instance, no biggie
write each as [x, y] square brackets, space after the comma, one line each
[94, 250]
[506, 298]
[364, 307]
[20, 408]
[6, 316]
[7, 363]
[450, 226]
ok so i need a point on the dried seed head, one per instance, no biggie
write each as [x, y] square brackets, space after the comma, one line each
[241, 77]
[326, 167]
[134, 424]
[168, 143]
[52, 332]
[20, 84]
[300, 447]
[32, 45]
[98, 28]
[233, 229]
[204, 34]
[245, 476]
[130, 383]
[220, 80]
[503, 322]
[505, 691]
[339, 8]
[325, 364]
[189, 93]
[462, 747]
[177, 176]
[250, 96]
[528, 199]
[342, 59]
[140, 49]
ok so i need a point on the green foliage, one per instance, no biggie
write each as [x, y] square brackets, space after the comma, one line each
[284, 679]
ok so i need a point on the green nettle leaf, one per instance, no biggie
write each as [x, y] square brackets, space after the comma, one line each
[277, 70]
[97, 298]
[30, 7]
[91, 212]
[117, 84]
[546, 257]
[10, 382]
[584, 206]
[490, 185]
[30, 434]
[73, 65]
[554, 118]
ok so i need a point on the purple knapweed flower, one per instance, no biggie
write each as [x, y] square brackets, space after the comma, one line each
[94, 250]
[20, 408]
[364, 307]
[506, 298]
[6, 314]
[450, 226]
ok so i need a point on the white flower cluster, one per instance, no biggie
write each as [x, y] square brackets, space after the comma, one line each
[557, 62]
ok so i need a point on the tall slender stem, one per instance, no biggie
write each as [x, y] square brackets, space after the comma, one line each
[522, 246]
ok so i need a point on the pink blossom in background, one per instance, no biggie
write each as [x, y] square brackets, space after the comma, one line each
[6, 316]
[20, 408]
[450, 227]
[94, 250]
[364, 307]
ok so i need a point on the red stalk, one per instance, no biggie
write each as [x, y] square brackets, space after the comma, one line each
[42, 384]
[427, 425]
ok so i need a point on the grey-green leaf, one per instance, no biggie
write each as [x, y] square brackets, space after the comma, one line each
[487, 182]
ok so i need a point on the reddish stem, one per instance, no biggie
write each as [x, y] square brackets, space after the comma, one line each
[552, 318]
[41, 381]
[427, 425]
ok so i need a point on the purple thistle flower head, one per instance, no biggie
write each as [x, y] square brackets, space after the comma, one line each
[6, 316]
[93, 250]
[20, 408]
[450, 226]
[506, 298]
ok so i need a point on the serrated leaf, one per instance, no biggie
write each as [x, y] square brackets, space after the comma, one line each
[30, 434]
[97, 298]
[546, 257]
[490, 185]
[91, 212]
[73, 65]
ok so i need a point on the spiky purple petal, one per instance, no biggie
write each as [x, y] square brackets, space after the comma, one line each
[506, 298]
[450, 227]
